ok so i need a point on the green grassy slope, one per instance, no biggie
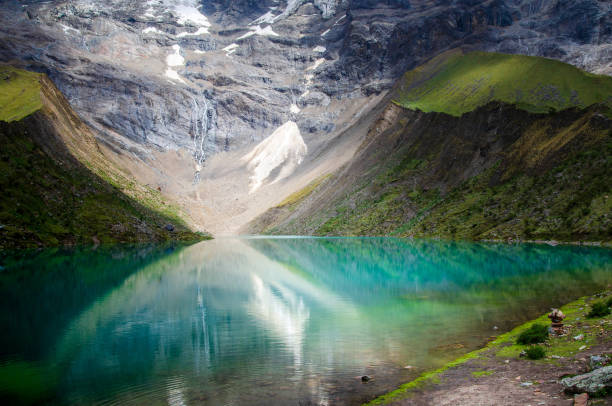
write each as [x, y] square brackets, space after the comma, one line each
[482, 146]
[455, 83]
[495, 173]
[569, 201]
[19, 93]
[56, 187]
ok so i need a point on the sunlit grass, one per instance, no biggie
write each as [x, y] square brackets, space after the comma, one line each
[455, 84]
[19, 93]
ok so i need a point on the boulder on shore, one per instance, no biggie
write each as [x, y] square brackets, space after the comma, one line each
[593, 382]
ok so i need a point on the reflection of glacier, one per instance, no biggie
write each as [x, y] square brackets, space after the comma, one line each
[213, 307]
[282, 311]
[232, 321]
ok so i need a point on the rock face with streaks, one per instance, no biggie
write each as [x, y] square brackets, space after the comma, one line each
[219, 74]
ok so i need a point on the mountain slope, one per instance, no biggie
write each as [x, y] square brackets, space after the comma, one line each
[498, 171]
[456, 83]
[57, 188]
[171, 85]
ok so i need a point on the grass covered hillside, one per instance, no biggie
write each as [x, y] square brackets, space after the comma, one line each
[490, 169]
[19, 93]
[455, 83]
[57, 187]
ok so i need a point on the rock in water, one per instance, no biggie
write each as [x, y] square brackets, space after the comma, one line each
[365, 378]
[592, 382]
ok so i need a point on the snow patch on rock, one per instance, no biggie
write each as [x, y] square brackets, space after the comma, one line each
[294, 109]
[175, 59]
[267, 18]
[230, 49]
[257, 30]
[319, 49]
[281, 152]
[317, 63]
[188, 14]
[172, 60]
[68, 30]
[151, 30]
[172, 74]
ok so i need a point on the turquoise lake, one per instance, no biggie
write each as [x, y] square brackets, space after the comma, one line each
[265, 321]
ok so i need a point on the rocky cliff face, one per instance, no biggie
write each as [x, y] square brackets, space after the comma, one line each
[57, 186]
[206, 77]
[217, 75]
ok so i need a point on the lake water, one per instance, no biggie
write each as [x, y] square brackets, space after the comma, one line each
[265, 320]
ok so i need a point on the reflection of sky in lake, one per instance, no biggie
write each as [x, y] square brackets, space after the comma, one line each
[267, 321]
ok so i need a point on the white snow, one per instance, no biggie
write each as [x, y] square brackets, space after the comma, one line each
[175, 59]
[67, 29]
[200, 31]
[306, 93]
[317, 63]
[199, 51]
[230, 49]
[325, 32]
[267, 18]
[319, 49]
[294, 109]
[284, 149]
[257, 30]
[188, 14]
[172, 74]
[292, 6]
[151, 30]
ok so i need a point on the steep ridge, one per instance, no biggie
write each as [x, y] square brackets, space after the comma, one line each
[497, 171]
[57, 186]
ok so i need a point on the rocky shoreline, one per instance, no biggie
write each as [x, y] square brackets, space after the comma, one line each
[500, 373]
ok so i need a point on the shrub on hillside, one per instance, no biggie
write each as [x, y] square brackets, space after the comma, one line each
[535, 352]
[599, 309]
[537, 333]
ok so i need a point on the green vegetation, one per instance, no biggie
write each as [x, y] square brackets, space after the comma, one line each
[537, 333]
[49, 203]
[19, 93]
[535, 352]
[295, 198]
[56, 186]
[550, 183]
[455, 83]
[26, 383]
[479, 374]
[599, 309]
[504, 347]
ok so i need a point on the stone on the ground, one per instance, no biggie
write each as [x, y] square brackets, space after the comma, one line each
[598, 361]
[169, 227]
[593, 382]
[365, 378]
[581, 400]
